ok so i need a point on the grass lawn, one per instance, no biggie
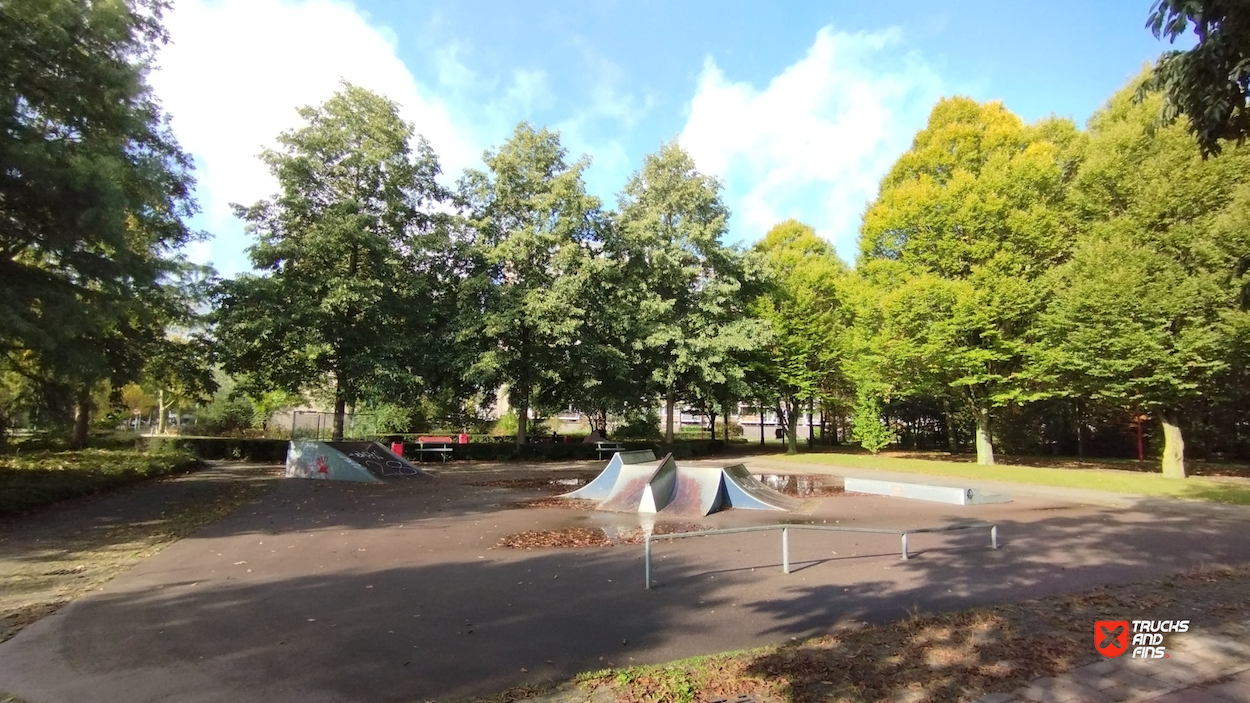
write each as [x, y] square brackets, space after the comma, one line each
[29, 480]
[1130, 479]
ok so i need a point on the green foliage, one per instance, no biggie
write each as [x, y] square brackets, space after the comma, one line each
[690, 295]
[350, 255]
[641, 425]
[33, 479]
[1145, 314]
[218, 448]
[802, 308]
[869, 428]
[1210, 83]
[533, 232]
[228, 414]
[93, 194]
[965, 223]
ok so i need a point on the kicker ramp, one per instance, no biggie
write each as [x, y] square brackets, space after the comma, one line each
[365, 462]
[642, 488]
[601, 487]
[636, 482]
[742, 490]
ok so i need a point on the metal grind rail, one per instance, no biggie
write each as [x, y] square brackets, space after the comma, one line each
[785, 537]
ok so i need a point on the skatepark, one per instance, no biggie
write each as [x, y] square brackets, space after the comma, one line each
[396, 590]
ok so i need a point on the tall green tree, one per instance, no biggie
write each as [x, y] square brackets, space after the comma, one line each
[535, 230]
[93, 196]
[805, 317]
[693, 305]
[346, 294]
[1209, 83]
[973, 216]
[1145, 314]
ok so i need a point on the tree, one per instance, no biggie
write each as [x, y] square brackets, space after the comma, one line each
[972, 217]
[180, 369]
[93, 194]
[535, 229]
[1145, 314]
[1210, 83]
[348, 253]
[692, 305]
[803, 311]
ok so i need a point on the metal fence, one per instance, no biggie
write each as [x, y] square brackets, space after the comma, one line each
[785, 538]
[314, 424]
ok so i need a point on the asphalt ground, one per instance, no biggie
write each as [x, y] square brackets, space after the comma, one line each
[324, 591]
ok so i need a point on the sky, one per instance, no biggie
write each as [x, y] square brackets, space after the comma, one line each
[799, 108]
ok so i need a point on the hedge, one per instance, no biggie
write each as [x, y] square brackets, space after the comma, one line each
[274, 450]
[234, 448]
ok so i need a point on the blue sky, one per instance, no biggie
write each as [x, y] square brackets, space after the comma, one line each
[799, 107]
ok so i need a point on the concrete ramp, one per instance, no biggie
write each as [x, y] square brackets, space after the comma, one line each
[601, 487]
[636, 482]
[954, 495]
[698, 492]
[633, 491]
[742, 490]
[366, 462]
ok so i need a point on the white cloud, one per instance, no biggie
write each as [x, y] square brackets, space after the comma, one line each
[236, 71]
[815, 143]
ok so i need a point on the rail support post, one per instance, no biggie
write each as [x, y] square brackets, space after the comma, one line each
[904, 546]
[646, 560]
[994, 536]
[785, 550]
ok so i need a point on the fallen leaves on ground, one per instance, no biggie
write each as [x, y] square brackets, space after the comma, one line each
[567, 503]
[945, 658]
[567, 537]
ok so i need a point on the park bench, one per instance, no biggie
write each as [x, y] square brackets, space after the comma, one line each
[608, 447]
[442, 446]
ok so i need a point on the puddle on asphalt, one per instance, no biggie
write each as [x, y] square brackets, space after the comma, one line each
[803, 485]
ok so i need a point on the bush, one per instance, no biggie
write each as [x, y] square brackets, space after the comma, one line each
[645, 425]
[232, 448]
[872, 432]
[35, 479]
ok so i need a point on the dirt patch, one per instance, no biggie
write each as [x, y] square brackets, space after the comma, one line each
[48, 559]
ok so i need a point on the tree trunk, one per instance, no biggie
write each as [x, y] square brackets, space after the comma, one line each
[985, 442]
[160, 406]
[670, 402]
[1081, 434]
[711, 417]
[522, 417]
[82, 419]
[792, 427]
[340, 410]
[952, 445]
[760, 405]
[1173, 445]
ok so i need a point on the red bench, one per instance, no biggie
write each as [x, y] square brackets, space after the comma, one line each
[442, 446]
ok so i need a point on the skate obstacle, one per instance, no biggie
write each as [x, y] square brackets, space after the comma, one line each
[954, 495]
[366, 462]
[638, 482]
